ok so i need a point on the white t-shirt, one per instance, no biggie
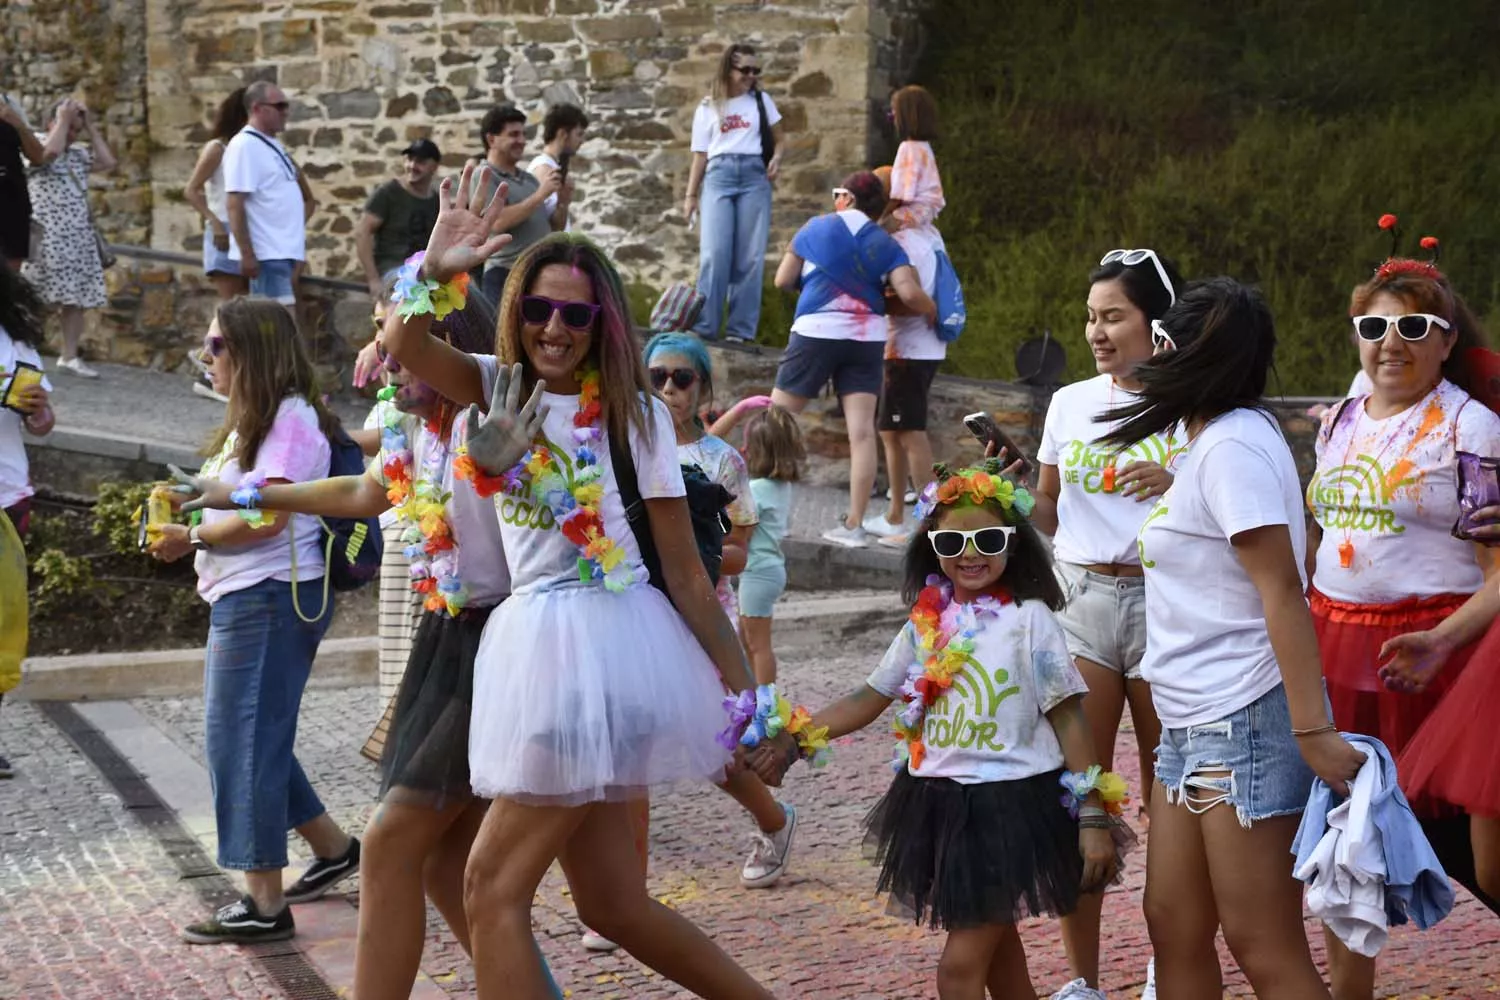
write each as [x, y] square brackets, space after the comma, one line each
[1095, 527]
[539, 555]
[844, 317]
[1389, 488]
[913, 337]
[258, 166]
[1210, 654]
[722, 464]
[546, 159]
[295, 450]
[15, 470]
[991, 725]
[737, 130]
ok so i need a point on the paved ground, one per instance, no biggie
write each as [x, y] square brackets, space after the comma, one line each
[90, 900]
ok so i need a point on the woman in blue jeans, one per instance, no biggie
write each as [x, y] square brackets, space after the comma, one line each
[733, 170]
[252, 568]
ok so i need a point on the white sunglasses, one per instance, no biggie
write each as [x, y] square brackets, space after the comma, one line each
[950, 543]
[840, 192]
[1411, 326]
[1132, 257]
[1161, 340]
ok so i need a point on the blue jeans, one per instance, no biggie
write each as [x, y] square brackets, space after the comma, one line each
[259, 655]
[736, 219]
[275, 281]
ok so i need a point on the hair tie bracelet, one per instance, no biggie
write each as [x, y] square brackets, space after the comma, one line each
[414, 295]
[246, 496]
[1077, 785]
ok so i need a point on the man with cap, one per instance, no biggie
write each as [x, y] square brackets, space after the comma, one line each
[399, 216]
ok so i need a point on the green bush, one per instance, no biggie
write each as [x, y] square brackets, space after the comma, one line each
[1260, 139]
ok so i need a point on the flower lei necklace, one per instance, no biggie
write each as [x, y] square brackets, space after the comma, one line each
[574, 502]
[421, 505]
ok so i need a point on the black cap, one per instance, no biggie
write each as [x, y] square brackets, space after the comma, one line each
[423, 149]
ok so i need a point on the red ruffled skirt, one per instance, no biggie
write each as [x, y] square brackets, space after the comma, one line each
[1455, 755]
[1349, 640]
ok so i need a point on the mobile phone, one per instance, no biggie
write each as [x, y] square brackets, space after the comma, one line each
[563, 159]
[987, 432]
[24, 377]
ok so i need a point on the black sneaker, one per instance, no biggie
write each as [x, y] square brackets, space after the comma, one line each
[6, 771]
[241, 922]
[323, 874]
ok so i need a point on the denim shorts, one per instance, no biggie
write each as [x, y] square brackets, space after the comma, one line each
[1267, 776]
[853, 365]
[1105, 618]
[275, 281]
[216, 261]
[759, 589]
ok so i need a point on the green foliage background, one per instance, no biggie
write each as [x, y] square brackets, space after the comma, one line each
[1259, 139]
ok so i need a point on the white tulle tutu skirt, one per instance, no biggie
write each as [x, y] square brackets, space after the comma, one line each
[583, 695]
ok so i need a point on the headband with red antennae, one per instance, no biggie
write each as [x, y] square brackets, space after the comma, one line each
[1394, 265]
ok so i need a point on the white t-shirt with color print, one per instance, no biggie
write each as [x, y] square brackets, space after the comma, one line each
[722, 464]
[1389, 488]
[295, 450]
[914, 338]
[15, 470]
[736, 130]
[1095, 527]
[1210, 654]
[991, 725]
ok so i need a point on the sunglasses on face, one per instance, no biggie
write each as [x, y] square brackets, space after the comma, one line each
[949, 543]
[842, 193]
[682, 378]
[387, 362]
[1132, 257]
[748, 70]
[538, 310]
[1161, 340]
[213, 346]
[1411, 327]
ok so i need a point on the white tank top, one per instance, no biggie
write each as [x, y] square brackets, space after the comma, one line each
[213, 188]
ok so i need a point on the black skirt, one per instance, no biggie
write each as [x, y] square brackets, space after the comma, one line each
[961, 856]
[426, 759]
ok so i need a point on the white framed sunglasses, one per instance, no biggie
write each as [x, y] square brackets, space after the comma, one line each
[841, 193]
[1411, 326]
[1161, 340]
[1132, 257]
[950, 543]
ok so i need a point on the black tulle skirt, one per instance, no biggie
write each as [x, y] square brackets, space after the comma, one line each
[426, 760]
[960, 856]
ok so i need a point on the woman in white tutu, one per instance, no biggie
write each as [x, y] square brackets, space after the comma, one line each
[589, 687]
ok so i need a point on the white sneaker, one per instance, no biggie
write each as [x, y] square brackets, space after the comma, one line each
[899, 541]
[594, 941]
[877, 525]
[1149, 993]
[207, 392]
[768, 858]
[77, 367]
[1078, 989]
[849, 538]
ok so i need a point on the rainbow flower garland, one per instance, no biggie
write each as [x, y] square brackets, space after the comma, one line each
[945, 645]
[1077, 785]
[763, 714]
[974, 486]
[421, 505]
[414, 295]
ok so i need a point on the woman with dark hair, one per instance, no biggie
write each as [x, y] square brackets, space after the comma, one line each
[736, 145]
[590, 688]
[1233, 657]
[1093, 498]
[260, 650]
[205, 192]
[840, 264]
[1384, 499]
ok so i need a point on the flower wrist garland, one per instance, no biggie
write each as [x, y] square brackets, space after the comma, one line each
[763, 714]
[246, 496]
[1076, 787]
[415, 295]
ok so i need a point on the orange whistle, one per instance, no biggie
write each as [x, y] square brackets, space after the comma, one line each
[1108, 482]
[1346, 554]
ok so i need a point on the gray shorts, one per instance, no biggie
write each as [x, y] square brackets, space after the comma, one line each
[1105, 618]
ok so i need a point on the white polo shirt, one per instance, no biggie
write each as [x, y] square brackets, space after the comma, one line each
[258, 166]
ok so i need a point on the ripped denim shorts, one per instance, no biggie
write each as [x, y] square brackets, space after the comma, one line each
[1249, 760]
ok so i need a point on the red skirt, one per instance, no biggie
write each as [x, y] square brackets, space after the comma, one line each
[1349, 641]
[1455, 755]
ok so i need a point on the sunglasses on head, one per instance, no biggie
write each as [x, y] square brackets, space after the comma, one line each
[1132, 257]
[682, 378]
[949, 543]
[538, 309]
[1411, 327]
[1161, 340]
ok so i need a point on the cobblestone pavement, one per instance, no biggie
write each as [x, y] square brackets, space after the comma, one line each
[90, 905]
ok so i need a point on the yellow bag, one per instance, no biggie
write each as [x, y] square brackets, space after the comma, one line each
[12, 605]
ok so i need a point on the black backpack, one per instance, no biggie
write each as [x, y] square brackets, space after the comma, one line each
[706, 502]
[352, 546]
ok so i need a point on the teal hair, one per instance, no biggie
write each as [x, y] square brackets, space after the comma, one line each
[686, 345]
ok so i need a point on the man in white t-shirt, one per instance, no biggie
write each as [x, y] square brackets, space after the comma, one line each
[562, 134]
[267, 197]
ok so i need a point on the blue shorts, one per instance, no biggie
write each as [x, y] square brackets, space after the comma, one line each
[1267, 776]
[275, 281]
[853, 365]
[216, 261]
[759, 589]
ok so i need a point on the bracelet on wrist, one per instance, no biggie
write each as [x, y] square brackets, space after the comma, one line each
[1327, 727]
[1077, 786]
[414, 295]
[246, 496]
[763, 714]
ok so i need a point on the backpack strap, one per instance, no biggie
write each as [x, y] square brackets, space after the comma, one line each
[767, 137]
[291, 530]
[1339, 416]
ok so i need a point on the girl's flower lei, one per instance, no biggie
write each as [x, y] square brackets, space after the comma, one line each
[1110, 786]
[763, 714]
[415, 295]
[421, 505]
[945, 646]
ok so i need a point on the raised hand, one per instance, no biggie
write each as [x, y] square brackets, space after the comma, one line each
[204, 493]
[461, 239]
[499, 439]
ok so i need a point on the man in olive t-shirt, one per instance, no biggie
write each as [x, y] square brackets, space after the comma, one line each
[399, 216]
[525, 218]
